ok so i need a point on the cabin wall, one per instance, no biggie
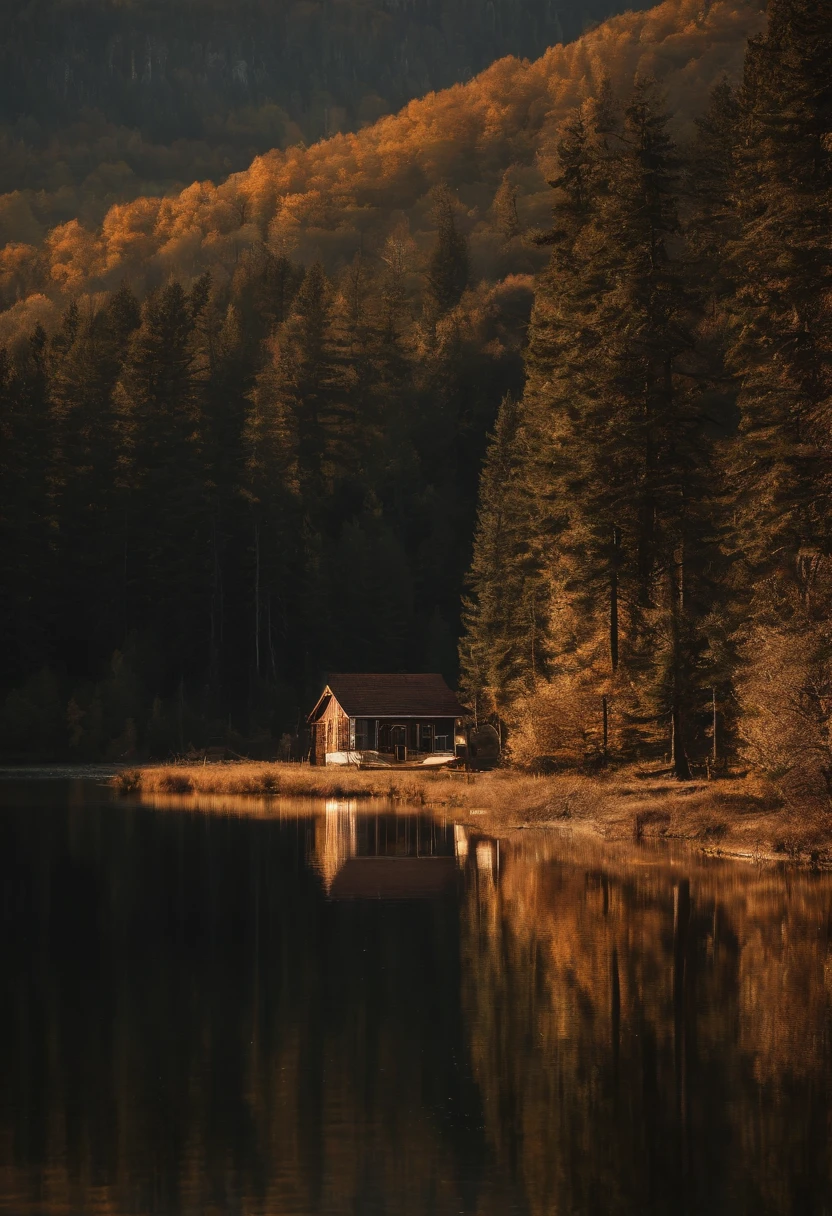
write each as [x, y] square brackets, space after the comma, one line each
[331, 733]
[338, 739]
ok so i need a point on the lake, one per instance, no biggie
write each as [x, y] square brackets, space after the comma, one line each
[331, 1008]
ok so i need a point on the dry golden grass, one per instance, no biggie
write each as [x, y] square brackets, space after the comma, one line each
[740, 816]
[509, 797]
[290, 781]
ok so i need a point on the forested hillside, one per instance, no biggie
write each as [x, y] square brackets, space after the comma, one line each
[652, 566]
[350, 192]
[102, 100]
[210, 497]
[245, 444]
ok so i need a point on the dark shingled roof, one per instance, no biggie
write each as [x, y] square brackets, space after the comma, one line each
[384, 696]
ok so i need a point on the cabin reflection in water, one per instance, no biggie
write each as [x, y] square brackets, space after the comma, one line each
[390, 855]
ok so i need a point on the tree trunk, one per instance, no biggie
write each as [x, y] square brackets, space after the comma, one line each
[257, 599]
[272, 658]
[216, 611]
[713, 703]
[681, 767]
[616, 543]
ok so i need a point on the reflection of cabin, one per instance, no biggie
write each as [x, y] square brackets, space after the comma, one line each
[384, 855]
[386, 718]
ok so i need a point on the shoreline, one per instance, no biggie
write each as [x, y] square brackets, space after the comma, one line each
[734, 816]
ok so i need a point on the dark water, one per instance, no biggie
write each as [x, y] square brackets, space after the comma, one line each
[320, 1010]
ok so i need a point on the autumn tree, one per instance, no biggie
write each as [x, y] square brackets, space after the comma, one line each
[780, 468]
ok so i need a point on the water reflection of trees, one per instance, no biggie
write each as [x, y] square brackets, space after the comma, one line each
[187, 1023]
[651, 1037]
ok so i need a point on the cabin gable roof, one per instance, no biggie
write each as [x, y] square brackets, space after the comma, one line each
[321, 705]
[368, 695]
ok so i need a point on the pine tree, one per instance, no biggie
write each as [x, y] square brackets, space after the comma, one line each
[302, 373]
[18, 516]
[84, 363]
[505, 208]
[780, 466]
[272, 486]
[27, 512]
[448, 268]
[616, 458]
[643, 456]
[167, 545]
[782, 352]
[712, 221]
[494, 646]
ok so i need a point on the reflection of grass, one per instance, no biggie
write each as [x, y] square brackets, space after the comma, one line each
[291, 781]
[742, 815]
[508, 797]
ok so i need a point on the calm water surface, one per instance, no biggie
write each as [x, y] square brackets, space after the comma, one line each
[326, 1009]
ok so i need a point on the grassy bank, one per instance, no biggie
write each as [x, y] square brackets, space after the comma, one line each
[294, 781]
[741, 815]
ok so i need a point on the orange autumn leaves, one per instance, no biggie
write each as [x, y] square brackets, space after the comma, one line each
[349, 191]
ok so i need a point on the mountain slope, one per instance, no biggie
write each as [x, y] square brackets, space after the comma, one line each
[102, 101]
[184, 69]
[350, 191]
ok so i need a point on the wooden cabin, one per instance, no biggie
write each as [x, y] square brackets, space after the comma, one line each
[412, 719]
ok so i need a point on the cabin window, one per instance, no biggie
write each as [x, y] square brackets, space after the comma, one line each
[426, 740]
[398, 735]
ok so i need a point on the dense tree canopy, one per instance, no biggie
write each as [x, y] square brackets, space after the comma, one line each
[667, 469]
[352, 191]
[216, 484]
[211, 497]
[102, 101]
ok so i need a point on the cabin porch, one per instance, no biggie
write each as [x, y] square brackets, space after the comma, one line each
[403, 738]
[399, 741]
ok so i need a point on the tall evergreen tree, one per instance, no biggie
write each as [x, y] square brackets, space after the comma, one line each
[616, 465]
[782, 352]
[780, 467]
[166, 569]
[494, 653]
[28, 505]
[449, 267]
[85, 359]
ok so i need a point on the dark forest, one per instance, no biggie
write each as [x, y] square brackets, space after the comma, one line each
[601, 492]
